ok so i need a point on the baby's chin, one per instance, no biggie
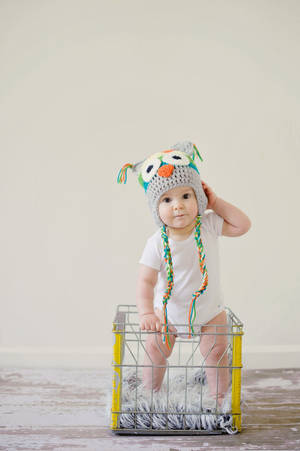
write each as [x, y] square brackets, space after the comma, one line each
[182, 222]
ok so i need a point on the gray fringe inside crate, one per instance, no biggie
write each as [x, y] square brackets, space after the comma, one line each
[173, 408]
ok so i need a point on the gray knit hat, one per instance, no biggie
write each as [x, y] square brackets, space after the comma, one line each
[165, 170]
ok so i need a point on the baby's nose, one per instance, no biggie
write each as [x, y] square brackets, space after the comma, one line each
[178, 204]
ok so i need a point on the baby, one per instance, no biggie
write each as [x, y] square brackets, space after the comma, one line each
[179, 279]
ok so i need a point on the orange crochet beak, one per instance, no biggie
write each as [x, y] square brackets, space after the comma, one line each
[166, 170]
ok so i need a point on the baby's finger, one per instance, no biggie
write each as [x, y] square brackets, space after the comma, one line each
[172, 329]
[153, 326]
[147, 325]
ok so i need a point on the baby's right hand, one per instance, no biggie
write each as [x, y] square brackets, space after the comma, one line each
[149, 321]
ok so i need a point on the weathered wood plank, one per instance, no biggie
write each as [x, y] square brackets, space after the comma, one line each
[49, 409]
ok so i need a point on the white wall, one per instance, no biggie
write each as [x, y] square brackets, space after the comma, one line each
[88, 86]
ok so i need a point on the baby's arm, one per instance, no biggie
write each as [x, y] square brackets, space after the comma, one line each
[236, 222]
[146, 282]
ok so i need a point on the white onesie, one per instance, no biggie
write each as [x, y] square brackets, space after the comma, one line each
[187, 274]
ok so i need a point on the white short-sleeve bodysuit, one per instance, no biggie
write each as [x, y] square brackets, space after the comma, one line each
[187, 274]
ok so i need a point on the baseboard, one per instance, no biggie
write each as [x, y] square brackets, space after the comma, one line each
[50, 357]
[254, 357]
[278, 356]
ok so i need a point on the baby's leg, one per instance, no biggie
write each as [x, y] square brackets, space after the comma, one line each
[157, 353]
[213, 348]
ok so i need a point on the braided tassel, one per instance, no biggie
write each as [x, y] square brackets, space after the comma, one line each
[201, 255]
[122, 176]
[196, 152]
[170, 279]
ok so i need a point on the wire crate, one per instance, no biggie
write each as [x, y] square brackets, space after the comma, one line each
[138, 411]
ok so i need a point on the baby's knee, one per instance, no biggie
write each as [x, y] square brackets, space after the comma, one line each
[156, 349]
[214, 353]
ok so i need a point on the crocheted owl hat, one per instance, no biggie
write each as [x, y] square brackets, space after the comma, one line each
[158, 174]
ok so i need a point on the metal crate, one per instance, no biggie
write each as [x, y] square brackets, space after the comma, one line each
[186, 360]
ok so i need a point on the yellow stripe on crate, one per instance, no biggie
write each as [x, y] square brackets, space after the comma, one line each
[236, 380]
[117, 378]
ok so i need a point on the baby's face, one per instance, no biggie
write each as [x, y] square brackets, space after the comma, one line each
[178, 207]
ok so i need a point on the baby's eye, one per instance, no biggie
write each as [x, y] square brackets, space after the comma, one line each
[167, 200]
[186, 195]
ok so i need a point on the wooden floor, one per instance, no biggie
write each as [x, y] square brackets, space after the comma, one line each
[61, 409]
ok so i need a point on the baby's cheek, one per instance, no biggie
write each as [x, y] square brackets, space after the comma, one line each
[194, 205]
[161, 209]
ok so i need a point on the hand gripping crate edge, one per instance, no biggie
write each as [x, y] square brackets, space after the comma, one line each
[133, 413]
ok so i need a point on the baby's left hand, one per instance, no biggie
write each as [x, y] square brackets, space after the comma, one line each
[210, 194]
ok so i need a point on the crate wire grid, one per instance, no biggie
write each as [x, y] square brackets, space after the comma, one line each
[129, 342]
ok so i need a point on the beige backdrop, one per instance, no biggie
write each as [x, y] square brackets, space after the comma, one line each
[87, 86]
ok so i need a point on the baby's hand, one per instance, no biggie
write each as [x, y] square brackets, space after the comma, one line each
[149, 321]
[210, 194]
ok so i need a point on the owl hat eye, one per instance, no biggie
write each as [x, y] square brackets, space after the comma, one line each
[176, 158]
[145, 169]
[150, 168]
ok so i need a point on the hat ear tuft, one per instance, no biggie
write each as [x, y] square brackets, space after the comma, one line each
[122, 176]
[189, 148]
[196, 152]
[137, 166]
